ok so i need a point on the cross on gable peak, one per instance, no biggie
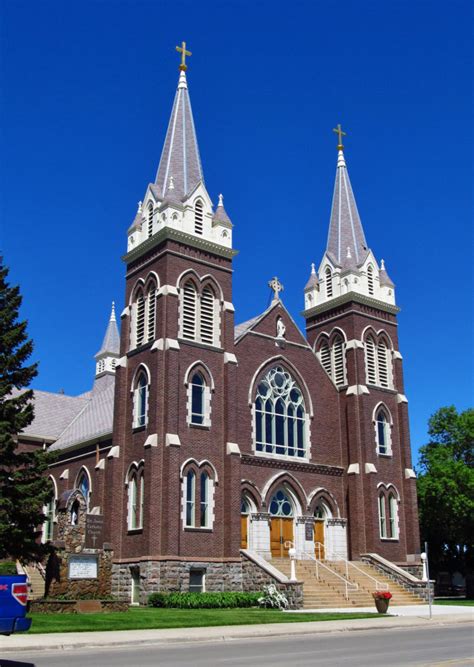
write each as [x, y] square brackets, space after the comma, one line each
[275, 285]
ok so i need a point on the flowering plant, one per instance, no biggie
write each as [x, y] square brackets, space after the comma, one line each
[382, 595]
[273, 598]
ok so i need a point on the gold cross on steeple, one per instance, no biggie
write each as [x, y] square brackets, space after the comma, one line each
[340, 134]
[182, 50]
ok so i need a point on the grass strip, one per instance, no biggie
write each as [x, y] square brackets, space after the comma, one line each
[456, 601]
[147, 618]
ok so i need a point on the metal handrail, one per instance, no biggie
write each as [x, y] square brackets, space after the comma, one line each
[348, 584]
[379, 585]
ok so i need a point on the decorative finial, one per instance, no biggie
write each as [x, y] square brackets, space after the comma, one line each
[340, 134]
[348, 255]
[171, 184]
[140, 203]
[313, 269]
[382, 265]
[112, 314]
[221, 200]
[182, 49]
[277, 287]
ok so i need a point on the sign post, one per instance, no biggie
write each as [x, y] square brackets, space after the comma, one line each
[428, 582]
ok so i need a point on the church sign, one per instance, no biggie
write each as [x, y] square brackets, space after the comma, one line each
[83, 567]
[94, 531]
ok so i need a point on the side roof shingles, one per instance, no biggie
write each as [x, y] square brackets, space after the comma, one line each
[53, 413]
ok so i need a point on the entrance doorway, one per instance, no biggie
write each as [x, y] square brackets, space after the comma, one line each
[321, 514]
[281, 525]
[244, 523]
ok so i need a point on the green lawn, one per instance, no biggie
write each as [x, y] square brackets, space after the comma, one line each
[460, 601]
[148, 618]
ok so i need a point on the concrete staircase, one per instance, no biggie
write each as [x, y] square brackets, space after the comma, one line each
[36, 581]
[329, 590]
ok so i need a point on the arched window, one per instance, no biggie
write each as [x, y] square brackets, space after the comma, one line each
[132, 503]
[382, 516]
[370, 279]
[74, 515]
[393, 516]
[328, 275]
[84, 485]
[49, 511]
[190, 498]
[136, 493]
[280, 416]
[140, 400]
[150, 219]
[204, 500]
[198, 387]
[325, 357]
[140, 319]
[281, 505]
[338, 365]
[382, 362]
[189, 303]
[382, 430]
[207, 319]
[370, 361]
[151, 299]
[198, 217]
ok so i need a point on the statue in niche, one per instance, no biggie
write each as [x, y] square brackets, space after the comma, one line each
[281, 329]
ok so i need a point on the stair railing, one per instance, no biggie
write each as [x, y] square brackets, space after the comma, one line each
[379, 585]
[305, 555]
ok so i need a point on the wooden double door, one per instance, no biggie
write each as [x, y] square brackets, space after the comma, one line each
[281, 534]
[319, 548]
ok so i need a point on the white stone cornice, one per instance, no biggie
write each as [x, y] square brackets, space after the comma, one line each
[353, 469]
[158, 344]
[354, 344]
[151, 441]
[165, 344]
[370, 468]
[229, 306]
[121, 362]
[410, 473]
[230, 358]
[396, 354]
[357, 390]
[168, 290]
[64, 474]
[401, 398]
[172, 440]
[233, 448]
[125, 312]
[114, 452]
[100, 465]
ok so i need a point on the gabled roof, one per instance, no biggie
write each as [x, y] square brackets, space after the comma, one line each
[180, 167]
[53, 412]
[111, 342]
[346, 245]
[241, 329]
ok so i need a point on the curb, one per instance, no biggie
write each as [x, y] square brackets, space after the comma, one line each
[221, 633]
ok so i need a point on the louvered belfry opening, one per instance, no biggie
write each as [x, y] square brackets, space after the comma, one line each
[338, 361]
[370, 361]
[150, 220]
[140, 319]
[382, 364]
[325, 356]
[207, 315]
[189, 310]
[370, 279]
[198, 217]
[151, 324]
[328, 282]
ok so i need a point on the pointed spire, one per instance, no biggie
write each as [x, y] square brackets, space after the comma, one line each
[111, 343]
[346, 243]
[313, 278]
[221, 214]
[384, 277]
[180, 169]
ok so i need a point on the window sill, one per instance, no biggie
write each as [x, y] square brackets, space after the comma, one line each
[197, 529]
[203, 427]
[134, 531]
[140, 348]
[281, 457]
[390, 539]
[385, 456]
[388, 390]
[203, 346]
[138, 429]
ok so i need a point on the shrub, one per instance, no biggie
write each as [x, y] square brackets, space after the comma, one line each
[272, 598]
[7, 567]
[203, 600]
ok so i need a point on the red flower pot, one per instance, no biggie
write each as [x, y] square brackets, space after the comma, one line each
[382, 605]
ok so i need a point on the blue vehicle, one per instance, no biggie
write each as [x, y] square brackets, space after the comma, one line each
[14, 604]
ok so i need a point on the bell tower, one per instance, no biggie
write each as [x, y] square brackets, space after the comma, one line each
[351, 323]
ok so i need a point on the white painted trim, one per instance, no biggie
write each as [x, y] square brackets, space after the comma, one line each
[199, 464]
[158, 344]
[190, 368]
[230, 358]
[232, 448]
[357, 390]
[322, 489]
[370, 468]
[354, 344]
[401, 398]
[114, 452]
[100, 465]
[125, 312]
[229, 306]
[172, 440]
[353, 469]
[121, 362]
[168, 290]
[382, 485]
[410, 473]
[171, 344]
[89, 477]
[151, 441]
[273, 479]
[64, 474]
[396, 354]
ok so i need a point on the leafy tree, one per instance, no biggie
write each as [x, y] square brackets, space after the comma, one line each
[446, 489]
[24, 489]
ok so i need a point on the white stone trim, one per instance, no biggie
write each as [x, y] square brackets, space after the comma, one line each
[172, 440]
[232, 448]
[353, 469]
[357, 390]
[151, 441]
[64, 474]
[158, 344]
[166, 290]
[121, 362]
[125, 312]
[165, 344]
[370, 468]
[410, 473]
[354, 344]
[100, 465]
[229, 307]
[114, 452]
[230, 358]
[396, 354]
[401, 398]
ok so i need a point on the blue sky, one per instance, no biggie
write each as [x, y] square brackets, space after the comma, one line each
[86, 93]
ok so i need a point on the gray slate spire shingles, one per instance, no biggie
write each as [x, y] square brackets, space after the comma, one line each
[180, 164]
[346, 244]
[111, 342]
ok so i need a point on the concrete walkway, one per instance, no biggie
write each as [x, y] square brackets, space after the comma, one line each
[416, 610]
[72, 640]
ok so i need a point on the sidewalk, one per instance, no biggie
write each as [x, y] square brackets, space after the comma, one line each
[67, 641]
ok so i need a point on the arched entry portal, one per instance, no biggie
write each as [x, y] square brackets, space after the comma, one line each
[321, 514]
[281, 524]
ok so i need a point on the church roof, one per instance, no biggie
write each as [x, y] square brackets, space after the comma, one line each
[53, 412]
[221, 214]
[384, 277]
[245, 326]
[346, 244]
[111, 342]
[313, 278]
[180, 169]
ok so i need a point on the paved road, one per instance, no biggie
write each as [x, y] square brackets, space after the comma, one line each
[450, 646]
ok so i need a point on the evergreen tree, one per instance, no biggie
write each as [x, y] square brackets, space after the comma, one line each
[24, 489]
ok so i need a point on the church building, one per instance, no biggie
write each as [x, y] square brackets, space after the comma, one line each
[204, 442]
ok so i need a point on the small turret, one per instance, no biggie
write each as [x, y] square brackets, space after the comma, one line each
[106, 358]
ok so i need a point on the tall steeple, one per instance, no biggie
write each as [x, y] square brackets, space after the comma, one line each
[109, 352]
[348, 266]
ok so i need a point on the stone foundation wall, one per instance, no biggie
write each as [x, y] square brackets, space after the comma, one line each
[417, 588]
[171, 576]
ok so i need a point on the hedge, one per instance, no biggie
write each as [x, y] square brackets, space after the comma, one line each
[7, 567]
[203, 600]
